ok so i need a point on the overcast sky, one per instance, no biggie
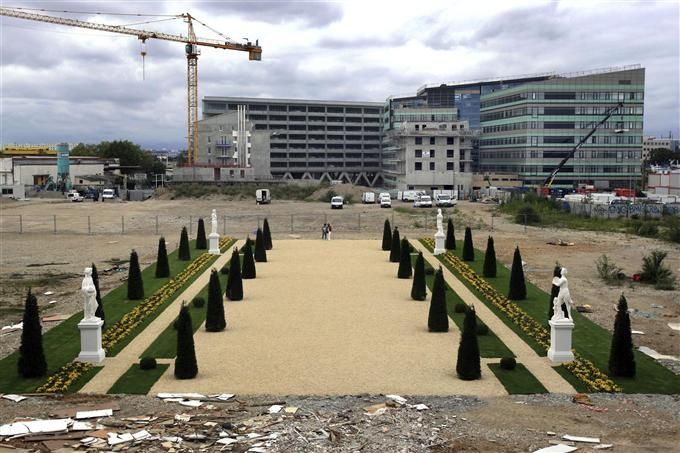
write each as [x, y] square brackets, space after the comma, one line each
[62, 83]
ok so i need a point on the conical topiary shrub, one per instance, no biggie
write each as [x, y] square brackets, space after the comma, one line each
[554, 291]
[518, 287]
[186, 366]
[490, 259]
[405, 270]
[234, 280]
[387, 236]
[450, 242]
[184, 253]
[201, 240]
[214, 317]
[99, 312]
[32, 361]
[267, 235]
[419, 288]
[260, 250]
[621, 356]
[468, 248]
[395, 250]
[162, 265]
[468, 365]
[135, 283]
[438, 319]
[248, 270]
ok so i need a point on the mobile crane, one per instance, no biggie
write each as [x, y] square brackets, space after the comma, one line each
[191, 48]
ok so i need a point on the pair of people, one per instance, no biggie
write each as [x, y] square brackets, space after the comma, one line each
[326, 231]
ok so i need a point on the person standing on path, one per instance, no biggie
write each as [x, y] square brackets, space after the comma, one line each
[330, 230]
[324, 231]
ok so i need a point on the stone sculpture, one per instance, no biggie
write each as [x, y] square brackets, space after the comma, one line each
[563, 297]
[89, 295]
[439, 236]
[213, 219]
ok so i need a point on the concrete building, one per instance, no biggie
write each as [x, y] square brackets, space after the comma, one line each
[529, 128]
[428, 149]
[314, 139]
[664, 182]
[651, 143]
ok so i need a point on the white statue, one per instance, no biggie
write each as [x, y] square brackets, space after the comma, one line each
[563, 297]
[213, 218]
[440, 222]
[89, 295]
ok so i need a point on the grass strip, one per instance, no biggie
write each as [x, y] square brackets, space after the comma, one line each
[136, 381]
[519, 381]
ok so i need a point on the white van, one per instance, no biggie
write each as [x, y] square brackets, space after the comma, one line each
[263, 196]
[108, 194]
[423, 201]
[337, 202]
[368, 197]
[73, 195]
[385, 201]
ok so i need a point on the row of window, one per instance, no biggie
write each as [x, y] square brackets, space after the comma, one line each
[578, 169]
[321, 119]
[562, 140]
[620, 156]
[325, 155]
[522, 125]
[322, 137]
[558, 111]
[294, 108]
[320, 128]
[567, 95]
[450, 166]
[324, 146]
[284, 164]
[433, 140]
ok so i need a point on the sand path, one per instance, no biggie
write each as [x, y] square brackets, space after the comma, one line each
[327, 317]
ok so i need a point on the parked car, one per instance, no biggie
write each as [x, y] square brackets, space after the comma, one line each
[385, 202]
[337, 202]
[423, 201]
[263, 196]
[74, 195]
[444, 200]
[108, 194]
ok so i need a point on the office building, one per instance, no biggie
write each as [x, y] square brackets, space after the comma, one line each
[651, 143]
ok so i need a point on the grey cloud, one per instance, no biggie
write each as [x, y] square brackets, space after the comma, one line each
[356, 42]
[311, 13]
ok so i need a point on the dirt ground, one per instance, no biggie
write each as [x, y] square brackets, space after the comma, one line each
[46, 261]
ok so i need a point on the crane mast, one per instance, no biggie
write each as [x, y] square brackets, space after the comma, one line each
[192, 44]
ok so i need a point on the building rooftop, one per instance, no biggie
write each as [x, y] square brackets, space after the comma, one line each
[289, 101]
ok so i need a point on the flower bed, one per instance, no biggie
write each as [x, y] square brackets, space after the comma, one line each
[591, 376]
[60, 381]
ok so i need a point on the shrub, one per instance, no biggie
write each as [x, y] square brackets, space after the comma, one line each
[387, 236]
[460, 307]
[99, 313]
[214, 317]
[490, 259]
[518, 287]
[349, 198]
[528, 216]
[438, 318]
[135, 283]
[419, 288]
[648, 229]
[395, 251]
[234, 281]
[186, 366]
[468, 247]
[405, 270]
[225, 269]
[198, 302]
[621, 356]
[184, 253]
[201, 241]
[260, 249]
[248, 271]
[468, 365]
[267, 235]
[508, 363]
[162, 265]
[330, 193]
[608, 271]
[31, 363]
[482, 329]
[147, 363]
[655, 271]
[450, 241]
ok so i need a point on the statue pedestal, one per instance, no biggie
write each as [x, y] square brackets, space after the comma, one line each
[214, 239]
[439, 243]
[560, 341]
[91, 341]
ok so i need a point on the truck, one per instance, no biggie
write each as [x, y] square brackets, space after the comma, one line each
[263, 196]
[368, 197]
[409, 195]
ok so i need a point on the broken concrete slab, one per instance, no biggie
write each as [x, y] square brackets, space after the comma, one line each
[590, 440]
[655, 355]
[15, 398]
[94, 414]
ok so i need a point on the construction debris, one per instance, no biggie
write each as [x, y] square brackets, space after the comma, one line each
[590, 440]
[15, 398]
[559, 448]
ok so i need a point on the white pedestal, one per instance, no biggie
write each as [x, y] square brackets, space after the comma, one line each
[560, 341]
[439, 243]
[91, 341]
[214, 239]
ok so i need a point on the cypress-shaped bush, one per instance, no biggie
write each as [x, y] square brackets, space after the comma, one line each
[405, 270]
[135, 282]
[260, 249]
[450, 242]
[468, 248]
[621, 357]
[419, 288]
[186, 366]
[99, 312]
[387, 236]
[518, 287]
[162, 265]
[184, 253]
[234, 280]
[438, 318]
[490, 259]
[267, 235]
[214, 316]
[248, 270]
[395, 250]
[32, 361]
[554, 291]
[468, 365]
[201, 240]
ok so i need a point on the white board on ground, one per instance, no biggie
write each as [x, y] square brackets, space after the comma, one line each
[590, 440]
[35, 427]
[189, 396]
[556, 449]
[655, 355]
[15, 398]
[94, 414]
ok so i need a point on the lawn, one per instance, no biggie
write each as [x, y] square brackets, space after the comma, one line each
[62, 343]
[589, 339]
[136, 381]
[518, 381]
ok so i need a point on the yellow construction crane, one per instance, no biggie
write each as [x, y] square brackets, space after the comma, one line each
[192, 44]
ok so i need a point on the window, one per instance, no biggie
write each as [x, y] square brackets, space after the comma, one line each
[419, 140]
[418, 166]
[432, 153]
[461, 154]
[431, 166]
[449, 166]
[432, 140]
[419, 153]
[449, 153]
[449, 140]
[417, 127]
[208, 139]
[209, 150]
